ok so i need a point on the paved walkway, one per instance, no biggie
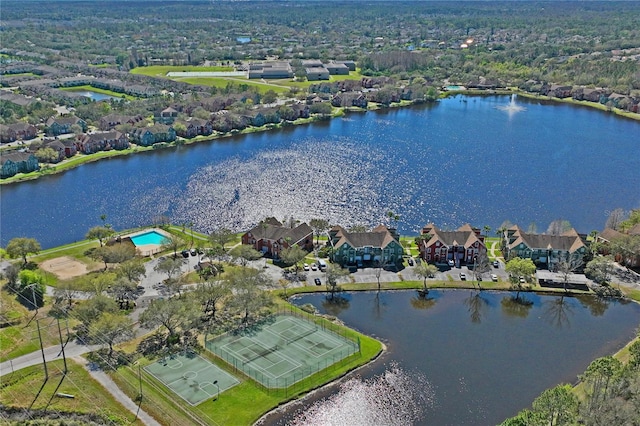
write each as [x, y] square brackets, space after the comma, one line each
[52, 353]
[111, 387]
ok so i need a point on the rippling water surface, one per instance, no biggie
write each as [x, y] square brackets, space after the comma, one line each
[464, 159]
[461, 357]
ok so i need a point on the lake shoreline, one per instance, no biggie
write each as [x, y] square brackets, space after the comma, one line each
[340, 112]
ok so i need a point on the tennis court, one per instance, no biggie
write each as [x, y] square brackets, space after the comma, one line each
[283, 350]
[192, 377]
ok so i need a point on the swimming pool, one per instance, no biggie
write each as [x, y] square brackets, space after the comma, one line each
[150, 237]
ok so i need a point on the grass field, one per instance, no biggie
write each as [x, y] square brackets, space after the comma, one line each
[162, 70]
[20, 388]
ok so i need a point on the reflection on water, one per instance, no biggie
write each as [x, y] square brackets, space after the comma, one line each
[559, 311]
[477, 305]
[481, 355]
[394, 398]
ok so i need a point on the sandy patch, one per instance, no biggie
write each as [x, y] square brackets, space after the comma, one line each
[64, 267]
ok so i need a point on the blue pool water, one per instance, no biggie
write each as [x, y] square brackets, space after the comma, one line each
[151, 237]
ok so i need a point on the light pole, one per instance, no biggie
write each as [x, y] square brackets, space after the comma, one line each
[215, 382]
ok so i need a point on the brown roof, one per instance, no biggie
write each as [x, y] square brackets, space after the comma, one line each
[464, 236]
[271, 229]
[380, 236]
[570, 241]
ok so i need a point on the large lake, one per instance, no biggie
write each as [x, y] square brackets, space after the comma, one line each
[462, 357]
[480, 160]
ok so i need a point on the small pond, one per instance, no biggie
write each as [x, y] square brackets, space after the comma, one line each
[94, 95]
[462, 357]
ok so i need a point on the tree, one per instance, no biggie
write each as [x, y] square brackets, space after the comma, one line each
[558, 405]
[625, 248]
[99, 233]
[600, 269]
[322, 108]
[319, 226]
[116, 253]
[269, 97]
[172, 314]
[248, 287]
[221, 237]
[22, 247]
[110, 329]
[169, 266]
[631, 221]
[245, 253]
[173, 243]
[518, 267]
[292, 255]
[425, 270]
[599, 380]
[47, 155]
[123, 291]
[334, 273]
[558, 227]
[132, 270]
[567, 265]
[210, 295]
[31, 289]
[615, 218]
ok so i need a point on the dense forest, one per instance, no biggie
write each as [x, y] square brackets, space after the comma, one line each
[580, 43]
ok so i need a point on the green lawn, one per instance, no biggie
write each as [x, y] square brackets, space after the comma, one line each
[242, 404]
[162, 70]
[20, 388]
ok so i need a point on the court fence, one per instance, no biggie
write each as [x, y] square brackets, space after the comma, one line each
[303, 376]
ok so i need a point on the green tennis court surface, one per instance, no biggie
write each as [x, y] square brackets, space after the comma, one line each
[192, 377]
[283, 350]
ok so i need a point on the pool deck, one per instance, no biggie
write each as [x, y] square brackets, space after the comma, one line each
[148, 249]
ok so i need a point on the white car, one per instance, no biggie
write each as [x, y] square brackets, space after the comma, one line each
[463, 276]
[451, 263]
[522, 280]
[494, 277]
[314, 267]
[305, 267]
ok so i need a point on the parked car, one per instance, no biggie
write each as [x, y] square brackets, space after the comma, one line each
[494, 277]
[314, 267]
[410, 261]
[451, 263]
[185, 253]
[305, 266]
[496, 264]
[317, 281]
[463, 276]
[522, 280]
[193, 252]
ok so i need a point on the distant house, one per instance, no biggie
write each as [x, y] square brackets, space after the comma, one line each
[349, 99]
[302, 110]
[556, 90]
[14, 162]
[381, 246]
[108, 122]
[463, 245]
[194, 127]
[608, 235]
[60, 125]
[58, 147]
[7, 134]
[270, 70]
[270, 237]
[337, 68]
[166, 116]
[24, 131]
[317, 73]
[147, 136]
[102, 141]
[543, 248]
